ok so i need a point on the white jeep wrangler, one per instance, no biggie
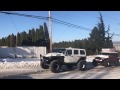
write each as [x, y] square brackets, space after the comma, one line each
[106, 58]
[66, 56]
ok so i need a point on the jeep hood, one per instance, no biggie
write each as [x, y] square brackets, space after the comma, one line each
[102, 56]
[53, 54]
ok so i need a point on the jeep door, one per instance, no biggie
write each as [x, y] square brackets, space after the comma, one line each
[72, 56]
[76, 55]
[69, 56]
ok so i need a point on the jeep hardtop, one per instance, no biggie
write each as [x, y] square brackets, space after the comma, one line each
[64, 56]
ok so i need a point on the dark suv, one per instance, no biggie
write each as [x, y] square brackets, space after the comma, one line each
[106, 58]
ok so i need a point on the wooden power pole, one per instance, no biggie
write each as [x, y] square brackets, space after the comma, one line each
[50, 30]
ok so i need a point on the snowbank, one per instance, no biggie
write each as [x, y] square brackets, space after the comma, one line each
[23, 52]
[19, 63]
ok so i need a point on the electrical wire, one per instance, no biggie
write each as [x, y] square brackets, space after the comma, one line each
[53, 20]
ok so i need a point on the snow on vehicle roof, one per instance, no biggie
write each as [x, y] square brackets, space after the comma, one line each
[109, 51]
[74, 48]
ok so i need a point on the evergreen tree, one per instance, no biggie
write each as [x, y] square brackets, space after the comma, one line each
[12, 40]
[30, 37]
[8, 41]
[46, 31]
[47, 40]
[3, 42]
[33, 36]
[101, 28]
[18, 39]
[0, 42]
[15, 40]
[42, 34]
[37, 34]
[98, 39]
[95, 40]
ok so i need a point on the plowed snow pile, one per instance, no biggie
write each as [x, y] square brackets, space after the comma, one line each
[18, 63]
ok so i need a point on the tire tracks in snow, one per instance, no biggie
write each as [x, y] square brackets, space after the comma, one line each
[95, 73]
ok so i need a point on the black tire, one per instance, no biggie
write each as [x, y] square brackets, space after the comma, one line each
[69, 66]
[94, 63]
[116, 63]
[106, 63]
[44, 65]
[82, 65]
[55, 66]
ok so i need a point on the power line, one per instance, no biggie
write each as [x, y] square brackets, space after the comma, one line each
[70, 19]
[32, 16]
[53, 20]
[46, 18]
[70, 24]
[13, 23]
[15, 27]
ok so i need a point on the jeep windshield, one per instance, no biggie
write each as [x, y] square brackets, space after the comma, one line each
[58, 50]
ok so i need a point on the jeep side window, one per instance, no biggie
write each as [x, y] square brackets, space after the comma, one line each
[69, 52]
[82, 52]
[75, 51]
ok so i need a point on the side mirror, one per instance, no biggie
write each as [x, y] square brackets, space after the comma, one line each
[66, 54]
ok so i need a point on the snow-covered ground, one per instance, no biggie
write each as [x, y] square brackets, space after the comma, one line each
[30, 69]
[9, 63]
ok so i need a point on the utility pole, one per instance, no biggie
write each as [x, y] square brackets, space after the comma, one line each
[50, 30]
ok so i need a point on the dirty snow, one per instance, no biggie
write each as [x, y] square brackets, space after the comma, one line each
[9, 63]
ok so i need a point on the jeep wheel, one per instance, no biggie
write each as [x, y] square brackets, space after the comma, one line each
[69, 66]
[44, 65]
[116, 63]
[55, 66]
[94, 63]
[106, 63]
[82, 65]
